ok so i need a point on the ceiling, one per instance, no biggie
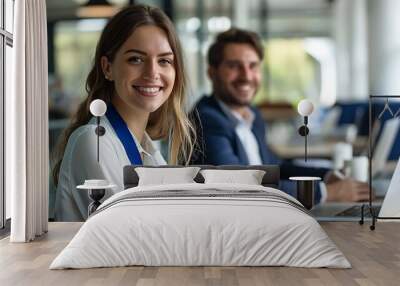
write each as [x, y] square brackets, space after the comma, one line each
[65, 9]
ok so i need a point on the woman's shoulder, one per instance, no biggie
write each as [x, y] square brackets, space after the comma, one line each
[87, 133]
[83, 133]
[85, 137]
[82, 140]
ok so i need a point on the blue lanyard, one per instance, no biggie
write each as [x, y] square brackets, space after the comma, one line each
[124, 135]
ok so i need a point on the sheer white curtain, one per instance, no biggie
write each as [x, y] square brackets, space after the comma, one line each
[27, 163]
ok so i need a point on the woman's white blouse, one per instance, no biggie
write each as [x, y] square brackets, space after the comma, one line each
[80, 163]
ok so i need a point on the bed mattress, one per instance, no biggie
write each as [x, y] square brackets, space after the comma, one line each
[201, 225]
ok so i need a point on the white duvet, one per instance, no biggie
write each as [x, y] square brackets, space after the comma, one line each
[228, 230]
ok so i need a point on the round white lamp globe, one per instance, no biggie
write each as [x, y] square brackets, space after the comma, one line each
[98, 107]
[305, 107]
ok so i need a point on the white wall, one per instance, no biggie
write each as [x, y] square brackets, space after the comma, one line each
[350, 35]
[384, 46]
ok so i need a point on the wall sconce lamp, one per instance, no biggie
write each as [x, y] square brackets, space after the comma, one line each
[96, 187]
[98, 108]
[305, 108]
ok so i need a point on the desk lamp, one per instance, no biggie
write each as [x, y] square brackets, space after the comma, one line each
[305, 108]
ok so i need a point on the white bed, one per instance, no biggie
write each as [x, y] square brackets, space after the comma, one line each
[201, 224]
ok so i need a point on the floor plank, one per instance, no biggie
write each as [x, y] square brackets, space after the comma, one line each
[374, 255]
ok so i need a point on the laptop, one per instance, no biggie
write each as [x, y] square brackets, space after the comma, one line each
[350, 211]
[391, 203]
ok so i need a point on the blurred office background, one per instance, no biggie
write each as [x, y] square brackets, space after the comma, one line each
[333, 52]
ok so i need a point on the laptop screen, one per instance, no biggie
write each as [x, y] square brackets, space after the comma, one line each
[384, 145]
[391, 203]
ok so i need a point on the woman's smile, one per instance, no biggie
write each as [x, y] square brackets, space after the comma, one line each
[149, 91]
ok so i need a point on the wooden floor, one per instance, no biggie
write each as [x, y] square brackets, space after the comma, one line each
[374, 255]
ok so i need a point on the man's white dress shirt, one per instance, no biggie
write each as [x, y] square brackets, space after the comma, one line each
[243, 130]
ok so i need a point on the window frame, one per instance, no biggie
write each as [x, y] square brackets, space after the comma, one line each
[6, 39]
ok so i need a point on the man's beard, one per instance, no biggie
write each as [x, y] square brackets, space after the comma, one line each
[229, 99]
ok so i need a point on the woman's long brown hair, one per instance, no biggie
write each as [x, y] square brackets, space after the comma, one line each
[170, 120]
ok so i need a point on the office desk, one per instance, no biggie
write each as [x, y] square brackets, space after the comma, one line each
[329, 211]
[320, 149]
[374, 255]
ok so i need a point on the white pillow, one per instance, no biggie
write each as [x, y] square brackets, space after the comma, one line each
[163, 176]
[248, 177]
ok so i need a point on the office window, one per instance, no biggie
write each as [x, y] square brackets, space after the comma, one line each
[197, 23]
[6, 42]
[75, 44]
[298, 68]
[301, 33]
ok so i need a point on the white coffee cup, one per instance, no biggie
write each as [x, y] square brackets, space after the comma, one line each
[351, 133]
[342, 152]
[359, 168]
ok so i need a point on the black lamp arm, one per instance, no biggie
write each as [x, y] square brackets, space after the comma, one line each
[303, 131]
[100, 131]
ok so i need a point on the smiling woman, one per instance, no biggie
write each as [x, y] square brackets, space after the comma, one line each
[143, 73]
[138, 71]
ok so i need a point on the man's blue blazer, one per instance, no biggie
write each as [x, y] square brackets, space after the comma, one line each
[218, 143]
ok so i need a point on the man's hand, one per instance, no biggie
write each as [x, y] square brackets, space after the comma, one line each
[347, 190]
